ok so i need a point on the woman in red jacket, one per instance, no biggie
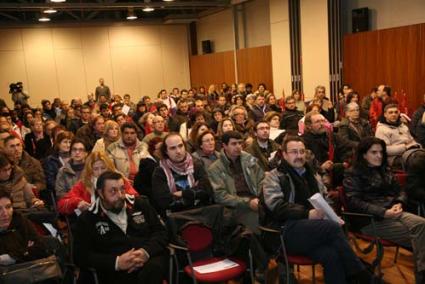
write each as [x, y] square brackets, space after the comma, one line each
[81, 195]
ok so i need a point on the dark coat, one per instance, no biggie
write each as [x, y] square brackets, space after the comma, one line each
[143, 179]
[14, 241]
[289, 120]
[351, 137]
[259, 112]
[98, 240]
[319, 145]
[51, 166]
[263, 157]
[371, 191]
[417, 128]
[199, 195]
[33, 171]
[37, 148]
[88, 135]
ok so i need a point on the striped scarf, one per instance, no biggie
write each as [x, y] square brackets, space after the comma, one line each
[183, 168]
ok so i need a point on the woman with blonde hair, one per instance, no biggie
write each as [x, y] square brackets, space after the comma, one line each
[82, 194]
[111, 134]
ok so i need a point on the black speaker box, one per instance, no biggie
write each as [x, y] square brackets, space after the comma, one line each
[206, 46]
[360, 18]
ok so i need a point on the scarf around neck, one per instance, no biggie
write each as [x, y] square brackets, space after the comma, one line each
[183, 168]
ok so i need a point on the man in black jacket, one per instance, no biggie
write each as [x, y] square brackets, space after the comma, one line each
[121, 236]
[180, 182]
[284, 202]
[290, 116]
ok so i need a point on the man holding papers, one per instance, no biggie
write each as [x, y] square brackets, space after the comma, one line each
[284, 202]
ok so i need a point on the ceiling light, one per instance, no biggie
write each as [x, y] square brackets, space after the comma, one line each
[131, 15]
[148, 9]
[50, 11]
[57, 1]
[44, 19]
[168, 0]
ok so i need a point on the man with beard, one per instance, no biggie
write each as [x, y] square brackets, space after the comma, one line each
[262, 147]
[127, 151]
[180, 182]
[121, 236]
[284, 202]
[327, 150]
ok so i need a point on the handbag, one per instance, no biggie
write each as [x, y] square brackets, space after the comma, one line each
[31, 271]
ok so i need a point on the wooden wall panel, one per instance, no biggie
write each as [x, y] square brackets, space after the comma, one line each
[255, 66]
[214, 68]
[391, 56]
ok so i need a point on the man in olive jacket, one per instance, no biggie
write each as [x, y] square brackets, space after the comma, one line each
[236, 179]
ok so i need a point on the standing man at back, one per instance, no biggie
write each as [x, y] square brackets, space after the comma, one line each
[103, 90]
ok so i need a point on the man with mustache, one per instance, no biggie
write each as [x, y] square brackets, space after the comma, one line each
[180, 182]
[284, 202]
[236, 178]
[121, 236]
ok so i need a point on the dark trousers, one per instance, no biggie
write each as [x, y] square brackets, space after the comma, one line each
[324, 242]
[153, 272]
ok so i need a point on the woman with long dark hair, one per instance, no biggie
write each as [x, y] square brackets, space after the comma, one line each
[371, 188]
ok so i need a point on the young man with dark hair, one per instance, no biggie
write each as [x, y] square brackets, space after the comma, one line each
[262, 147]
[34, 173]
[127, 151]
[121, 236]
[236, 178]
[180, 182]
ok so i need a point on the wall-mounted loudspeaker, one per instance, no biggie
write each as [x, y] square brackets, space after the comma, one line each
[360, 20]
[206, 46]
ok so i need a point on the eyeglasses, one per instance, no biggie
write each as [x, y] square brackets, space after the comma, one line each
[295, 152]
[78, 150]
[208, 140]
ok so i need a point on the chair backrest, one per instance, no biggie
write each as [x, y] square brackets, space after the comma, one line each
[197, 236]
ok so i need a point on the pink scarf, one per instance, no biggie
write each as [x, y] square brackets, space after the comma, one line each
[184, 168]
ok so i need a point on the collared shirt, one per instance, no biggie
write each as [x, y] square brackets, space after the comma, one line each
[119, 219]
[241, 186]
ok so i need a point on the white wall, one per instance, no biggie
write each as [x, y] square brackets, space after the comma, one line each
[281, 50]
[218, 27]
[67, 62]
[314, 45]
[257, 15]
[387, 13]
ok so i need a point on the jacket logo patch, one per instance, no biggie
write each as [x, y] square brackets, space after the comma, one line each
[138, 218]
[102, 228]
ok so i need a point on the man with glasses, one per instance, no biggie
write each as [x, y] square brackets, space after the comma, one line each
[284, 202]
[262, 147]
[158, 129]
[236, 177]
[353, 128]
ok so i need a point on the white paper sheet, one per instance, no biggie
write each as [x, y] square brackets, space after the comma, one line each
[319, 202]
[216, 266]
[125, 109]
